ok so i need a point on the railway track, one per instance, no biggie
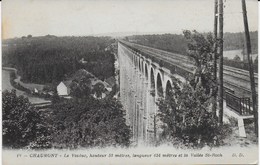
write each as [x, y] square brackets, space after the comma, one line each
[235, 79]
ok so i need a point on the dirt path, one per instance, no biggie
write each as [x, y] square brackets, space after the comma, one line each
[6, 85]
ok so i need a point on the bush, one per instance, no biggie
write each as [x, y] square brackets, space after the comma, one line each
[22, 124]
[241, 64]
[187, 116]
[89, 123]
[186, 112]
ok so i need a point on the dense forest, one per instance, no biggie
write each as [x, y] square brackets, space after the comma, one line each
[233, 41]
[50, 59]
[177, 44]
[88, 123]
[187, 111]
[169, 42]
[80, 122]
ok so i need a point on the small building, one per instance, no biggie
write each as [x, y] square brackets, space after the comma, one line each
[103, 95]
[111, 82]
[50, 93]
[35, 90]
[63, 88]
[83, 61]
[116, 64]
[108, 87]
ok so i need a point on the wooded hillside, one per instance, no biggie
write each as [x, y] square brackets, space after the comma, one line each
[49, 59]
[177, 44]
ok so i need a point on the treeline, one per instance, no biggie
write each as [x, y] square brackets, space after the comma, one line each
[66, 124]
[177, 44]
[85, 120]
[233, 41]
[169, 42]
[50, 59]
[237, 63]
[89, 123]
[187, 111]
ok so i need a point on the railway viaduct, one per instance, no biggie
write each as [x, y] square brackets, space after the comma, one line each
[146, 76]
[142, 82]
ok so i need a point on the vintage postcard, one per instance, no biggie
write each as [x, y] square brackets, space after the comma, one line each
[129, 82]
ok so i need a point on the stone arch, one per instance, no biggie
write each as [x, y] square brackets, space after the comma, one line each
[136, 62]
[140, 64]
[159, 88]
[152, 80]
[168, 90]
[143, 65]
[146, 71]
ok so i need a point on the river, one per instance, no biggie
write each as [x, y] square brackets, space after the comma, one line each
[6, 85]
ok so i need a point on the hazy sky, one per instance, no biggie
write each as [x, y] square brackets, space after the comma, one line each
[92, 17]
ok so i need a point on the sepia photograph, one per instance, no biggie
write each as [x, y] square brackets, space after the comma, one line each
[129, 82]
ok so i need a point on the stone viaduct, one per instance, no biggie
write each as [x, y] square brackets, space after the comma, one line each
[147, 74]
[142, 82]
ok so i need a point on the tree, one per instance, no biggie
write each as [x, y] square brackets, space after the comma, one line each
[256, 64]
[201, 50]
[55, 98]
[186, 115]
[237, 58]
[89, 123]
[48, 58]
[22, 125]
[98, 89]
[81, 88]
[186, 111]
[256, 61]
